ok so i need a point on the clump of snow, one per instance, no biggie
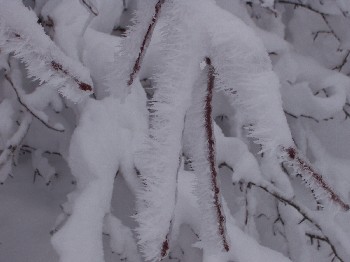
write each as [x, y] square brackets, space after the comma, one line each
[109, 132]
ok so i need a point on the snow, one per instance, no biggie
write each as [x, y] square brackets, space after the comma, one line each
[247, 65]
[96, 56]
[94, 158]
[158, 161]
[38, 52]
[122, 240]
[137, 184]
[130, 48]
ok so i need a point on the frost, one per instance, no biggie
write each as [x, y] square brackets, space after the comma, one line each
[43, 59]
[206, 130]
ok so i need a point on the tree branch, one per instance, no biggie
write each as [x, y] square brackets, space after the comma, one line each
[145, 42]
[45, 61]
[273, 191]
[90, 7]
[306, 169]
[27, 107]
[211, 152]
[14, 142]
[300, 209]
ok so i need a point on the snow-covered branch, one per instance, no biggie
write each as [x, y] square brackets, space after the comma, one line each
[43, 59]
[312, 178]
[145, 42]
[134, 46]
[38, 115]
[200, 148]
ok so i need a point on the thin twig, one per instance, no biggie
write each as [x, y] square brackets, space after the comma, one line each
[211, 152]
[59, 68]
[325, 239]
[273, 191]
[343, 63]
[92, 9]
[20, 100]
[145, 42]
[306, 169]
[301, 211]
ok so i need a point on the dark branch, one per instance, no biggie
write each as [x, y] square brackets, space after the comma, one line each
[145, 42]
[20, 100]
[92, 9]
[211, 151]
[325, 239]
[343, 63]
[59, 68]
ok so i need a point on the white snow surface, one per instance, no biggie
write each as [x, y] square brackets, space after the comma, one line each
[29, 42]
[94, 158]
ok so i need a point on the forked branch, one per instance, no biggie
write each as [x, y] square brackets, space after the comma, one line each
[304, 212]
[301, 210]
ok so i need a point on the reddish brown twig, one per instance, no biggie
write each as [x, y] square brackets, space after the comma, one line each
[145, 42]
[59, 68]
[211, 152]
[306, 168]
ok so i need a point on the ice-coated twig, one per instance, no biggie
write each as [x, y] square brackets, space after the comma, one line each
[209, 129]
[44, 60]
[134, 46]
[298, 207]
[311, 175]
[306, 214]
[329, 236]
[146, 40]
[200, 148]
[30, 109]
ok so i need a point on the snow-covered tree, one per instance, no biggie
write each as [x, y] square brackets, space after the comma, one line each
[174, 130]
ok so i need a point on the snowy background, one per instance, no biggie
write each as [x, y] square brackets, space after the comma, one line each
[188, 130]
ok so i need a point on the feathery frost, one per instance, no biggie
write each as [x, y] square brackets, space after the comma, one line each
[133, 47]
[43, 59]
[200, 148]
[245, 74]
[158, 162]
[12, 145]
